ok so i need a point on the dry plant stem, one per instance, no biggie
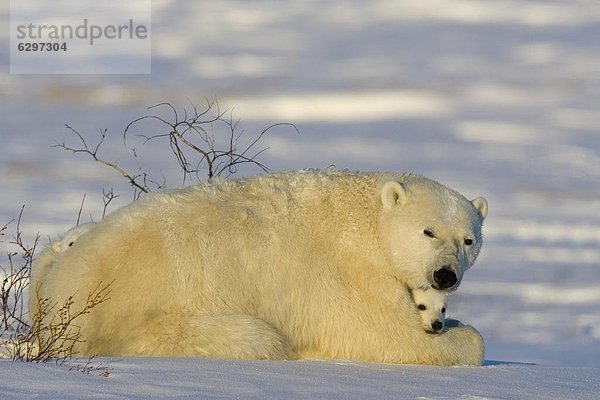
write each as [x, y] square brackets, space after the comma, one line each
[189, 132]
[16, 277]
[16, 280]
[80, 210]
[193, 140]
[12, 293]
[90, 367]
[107, 197]
[93, 152]
[52, 333]
[54, 330]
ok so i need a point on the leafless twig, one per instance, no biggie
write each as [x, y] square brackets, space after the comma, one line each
[133, 179]
[107, 197]
[194, 141]
[80, 210]
[205, 142]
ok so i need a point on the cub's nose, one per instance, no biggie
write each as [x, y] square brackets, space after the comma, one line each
[444, 278]
[437, 326]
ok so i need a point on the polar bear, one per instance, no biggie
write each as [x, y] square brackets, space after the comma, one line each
[311, 264]
[44, 262]
[431, 304]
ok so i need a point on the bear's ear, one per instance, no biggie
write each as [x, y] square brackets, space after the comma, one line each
[392, 194]
[481, 205]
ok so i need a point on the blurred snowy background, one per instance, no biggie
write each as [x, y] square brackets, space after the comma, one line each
[493, 98]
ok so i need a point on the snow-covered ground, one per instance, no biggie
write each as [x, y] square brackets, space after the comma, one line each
[344, 380]
[495, 98]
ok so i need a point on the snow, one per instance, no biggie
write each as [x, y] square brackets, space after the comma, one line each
[496, 99]
[216, 379]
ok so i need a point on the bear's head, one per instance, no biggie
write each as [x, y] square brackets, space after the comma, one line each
[432, 234]
[431, 305]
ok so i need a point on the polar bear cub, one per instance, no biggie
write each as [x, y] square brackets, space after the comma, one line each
[41, 267]
[431, 304]
[44, 262]
[71, 237]
[51, 252]
[47, 257]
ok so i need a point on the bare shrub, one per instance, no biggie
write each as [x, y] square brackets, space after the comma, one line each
[15, 280]
[53, 332]
[204, 143]
[50, 334]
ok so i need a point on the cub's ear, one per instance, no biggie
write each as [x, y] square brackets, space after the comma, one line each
[392, 194]
[481, 205]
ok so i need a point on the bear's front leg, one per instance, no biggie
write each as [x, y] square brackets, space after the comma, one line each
[460, 345]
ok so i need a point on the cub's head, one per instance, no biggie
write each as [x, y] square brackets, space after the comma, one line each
[431, 305]
[71, 237]
[432, 234]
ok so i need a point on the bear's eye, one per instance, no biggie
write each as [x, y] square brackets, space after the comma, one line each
[429, 232]
[468, 242]
[422, 307]
[444, 310]
[71, 244]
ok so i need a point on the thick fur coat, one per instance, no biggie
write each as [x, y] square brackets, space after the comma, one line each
[298, 265]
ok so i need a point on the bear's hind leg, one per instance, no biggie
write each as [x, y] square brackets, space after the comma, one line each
[190, 334]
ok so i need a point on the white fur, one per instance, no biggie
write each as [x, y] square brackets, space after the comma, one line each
[71, 236]
[44, 262]
[431, 305]
[309, 264]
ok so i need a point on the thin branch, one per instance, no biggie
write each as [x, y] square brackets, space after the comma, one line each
[80, 210]
[107, 198]
[94, 154]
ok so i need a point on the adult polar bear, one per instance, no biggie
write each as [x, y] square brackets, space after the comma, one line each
[308, 264]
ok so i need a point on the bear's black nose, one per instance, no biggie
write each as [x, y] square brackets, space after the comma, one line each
[444, 278]
[437, 326]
